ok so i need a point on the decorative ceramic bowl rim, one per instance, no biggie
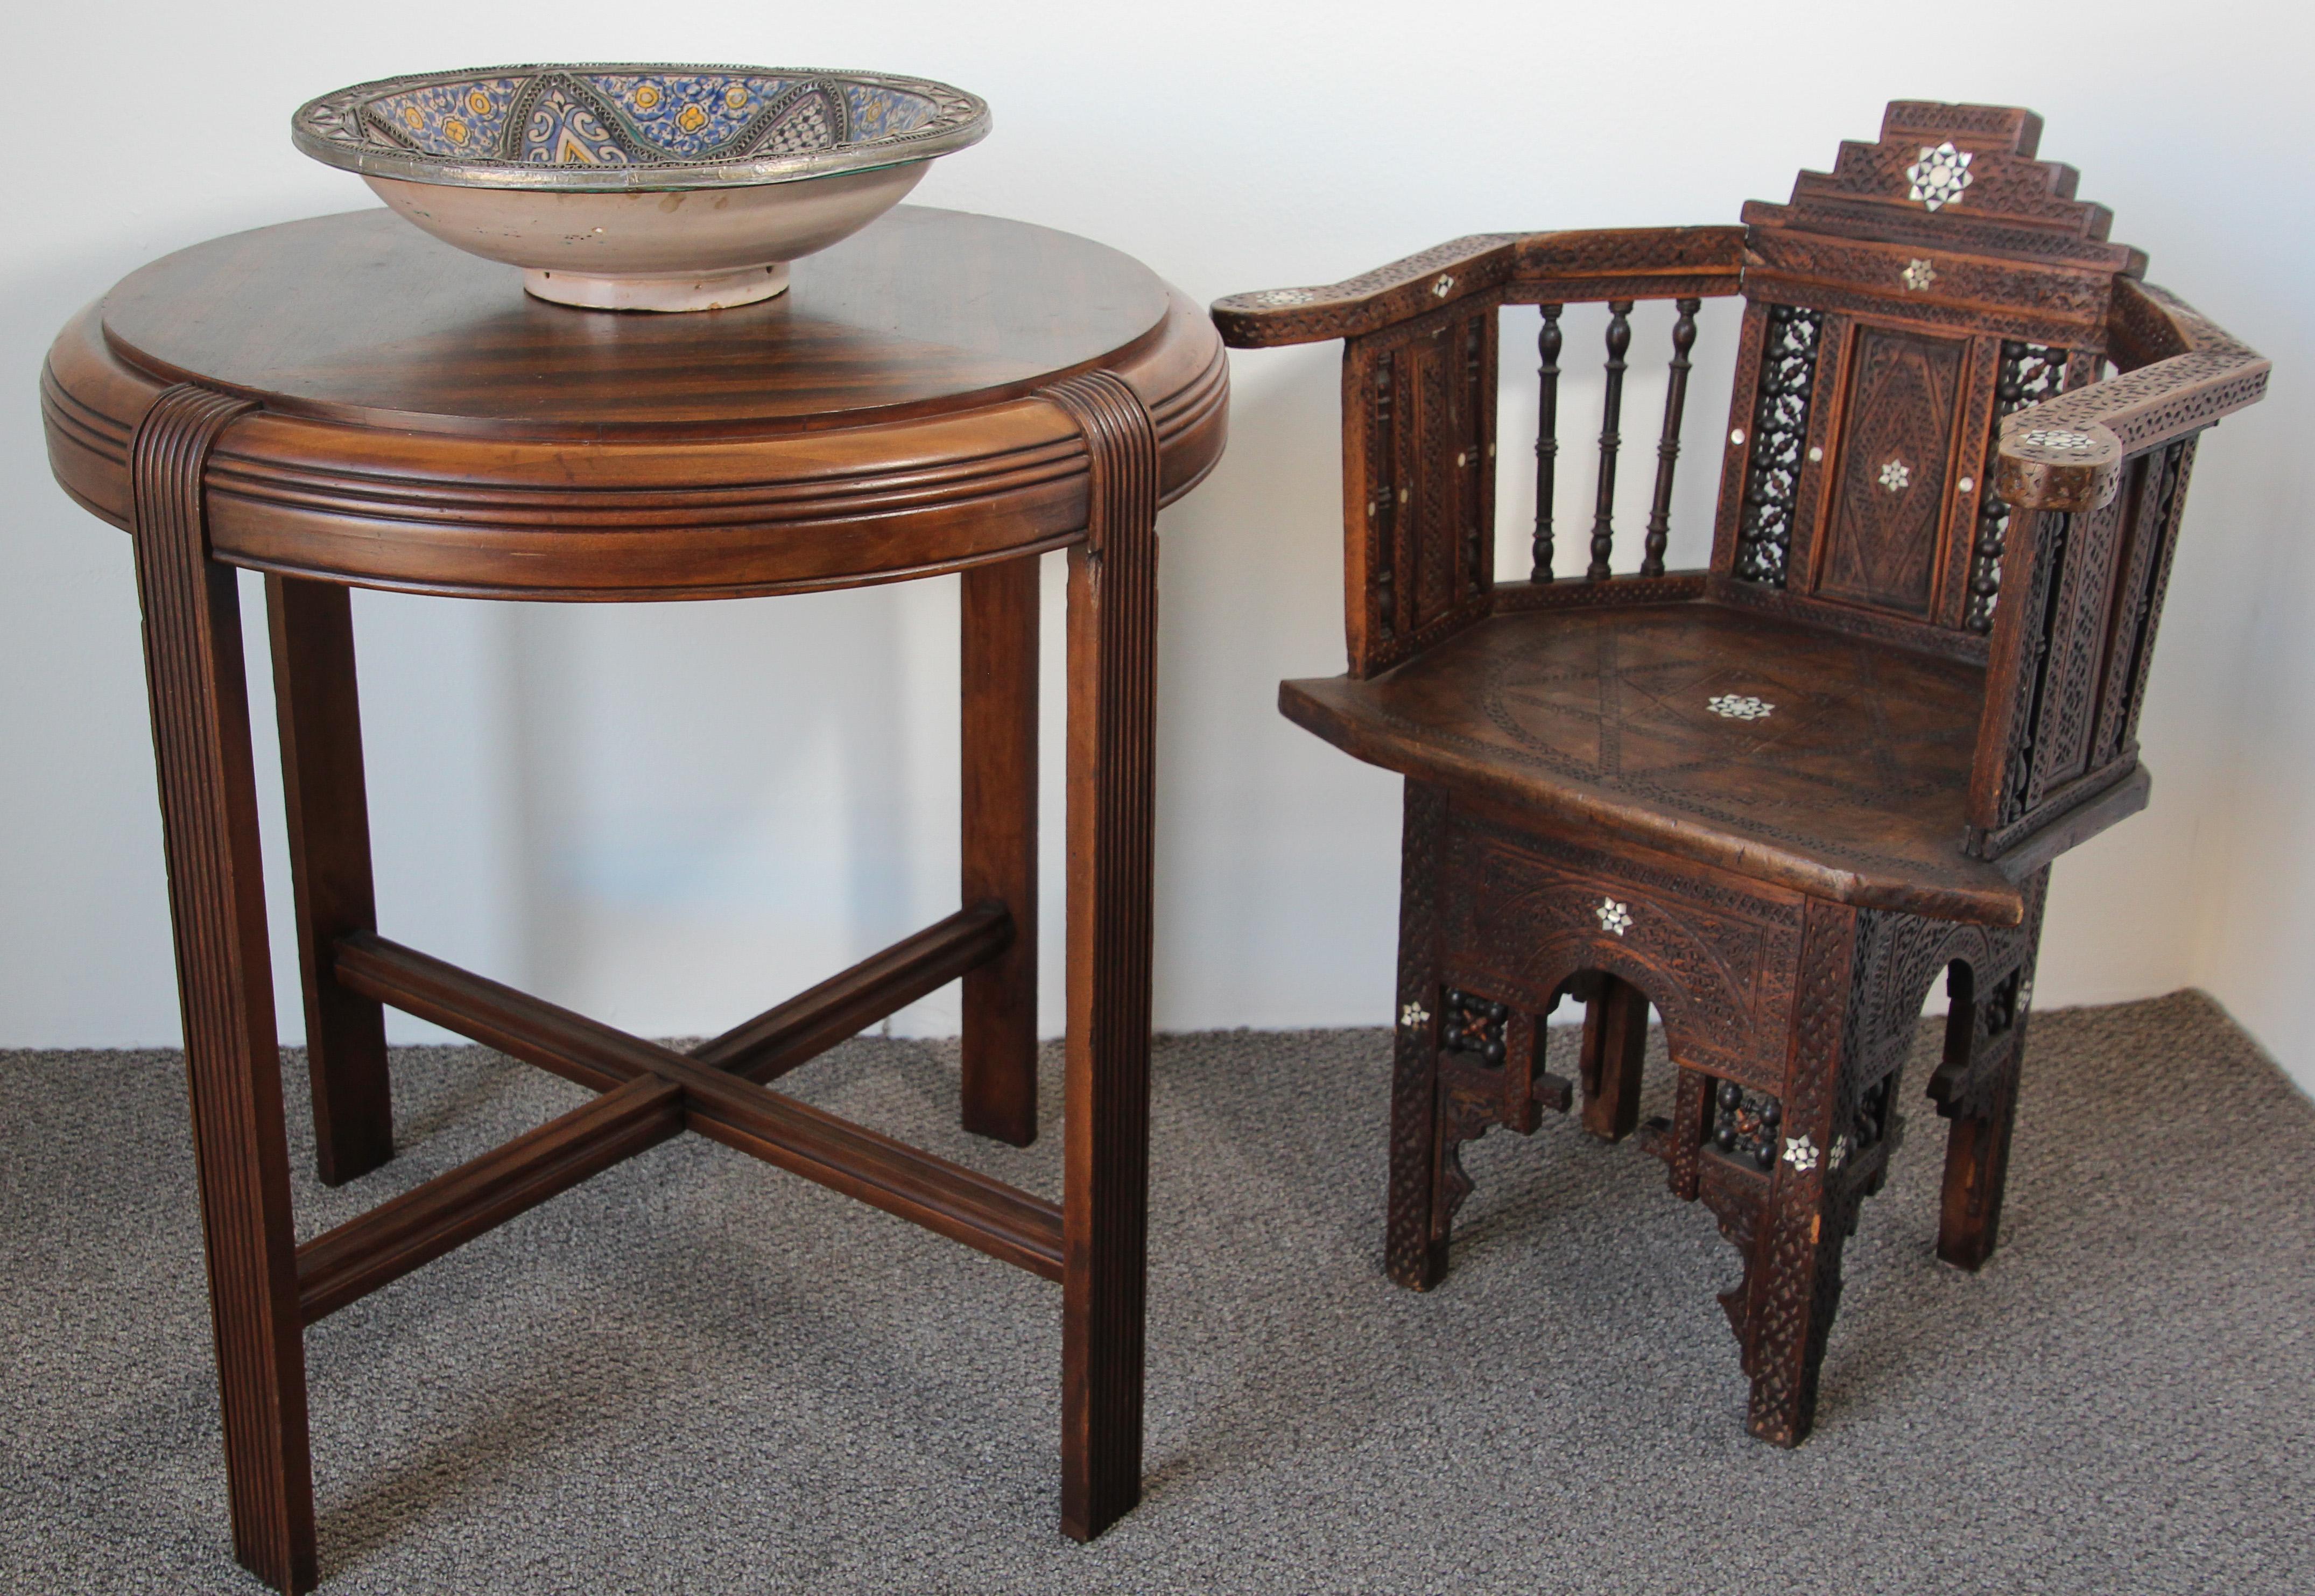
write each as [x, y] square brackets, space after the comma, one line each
[330, 128]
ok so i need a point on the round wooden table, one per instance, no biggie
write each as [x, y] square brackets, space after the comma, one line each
[344, 402]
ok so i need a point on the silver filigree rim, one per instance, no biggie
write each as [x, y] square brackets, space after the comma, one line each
[329, 129]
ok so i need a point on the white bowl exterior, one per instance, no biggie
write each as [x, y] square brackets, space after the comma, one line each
[681, 233]
[713, 291]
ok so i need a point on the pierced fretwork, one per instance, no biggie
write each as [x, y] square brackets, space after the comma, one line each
[1869, 1124]
[1611, 439]
[1474, 1024]
[1780, 416]
[1747, 1125]
[1546, 438]
[1683, 339]
[2048, 589]
[2001, 1005]
[2030, 372]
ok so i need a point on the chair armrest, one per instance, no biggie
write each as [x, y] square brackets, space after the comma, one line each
[1273, 318]
[1528, 268]
[2067, 453]
[2097, 481]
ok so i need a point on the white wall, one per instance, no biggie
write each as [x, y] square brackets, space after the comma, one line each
[672, 816]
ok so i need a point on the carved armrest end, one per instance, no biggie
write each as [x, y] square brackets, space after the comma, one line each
[1273, 317]
[2066, 454]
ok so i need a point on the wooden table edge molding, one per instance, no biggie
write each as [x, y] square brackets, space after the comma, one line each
[895, 476]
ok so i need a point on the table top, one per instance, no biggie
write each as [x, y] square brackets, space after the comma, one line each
[425, 424]
[361, 317]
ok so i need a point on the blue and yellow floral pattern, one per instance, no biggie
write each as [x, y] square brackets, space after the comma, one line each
[640, 126]
[617, 118]
[468, 119]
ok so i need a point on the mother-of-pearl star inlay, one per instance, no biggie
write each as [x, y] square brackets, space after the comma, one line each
[1895, 474]
[1939, 176]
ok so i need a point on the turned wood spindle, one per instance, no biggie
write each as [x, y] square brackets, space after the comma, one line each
[1611, 410]
[1683, 339]
[1546, 439]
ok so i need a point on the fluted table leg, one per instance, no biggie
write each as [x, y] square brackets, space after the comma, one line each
[1113, 620]
[225, 975]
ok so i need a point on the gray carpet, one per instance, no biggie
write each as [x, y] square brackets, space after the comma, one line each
[698, 1374]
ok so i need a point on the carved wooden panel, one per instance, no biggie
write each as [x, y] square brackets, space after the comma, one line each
[1418, 487]
[1884, 532]
[2075, 641]
[2133, 652]
[1524, 913]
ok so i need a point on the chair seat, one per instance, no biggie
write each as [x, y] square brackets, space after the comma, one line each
[1796, 756]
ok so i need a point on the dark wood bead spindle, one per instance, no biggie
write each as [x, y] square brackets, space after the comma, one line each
[1612, 415]
[1683, 339]
[1546, 438]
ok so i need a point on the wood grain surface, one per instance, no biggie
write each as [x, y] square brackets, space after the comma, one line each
[343, 401]
[427, 427]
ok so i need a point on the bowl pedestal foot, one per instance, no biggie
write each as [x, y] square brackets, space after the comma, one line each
[688, 290]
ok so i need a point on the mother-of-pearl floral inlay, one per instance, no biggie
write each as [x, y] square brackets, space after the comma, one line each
[2054, 438]
[1939, 176]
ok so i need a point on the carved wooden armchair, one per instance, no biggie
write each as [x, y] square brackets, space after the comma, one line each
[1774, 798]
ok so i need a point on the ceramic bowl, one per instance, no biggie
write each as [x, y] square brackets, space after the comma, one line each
[642, 187]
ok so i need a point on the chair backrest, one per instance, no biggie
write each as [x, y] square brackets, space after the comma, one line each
[1897, 310]
[1923, 446]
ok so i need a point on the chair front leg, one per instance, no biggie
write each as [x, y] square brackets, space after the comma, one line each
[1414, 1245]
[1785, 1177]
